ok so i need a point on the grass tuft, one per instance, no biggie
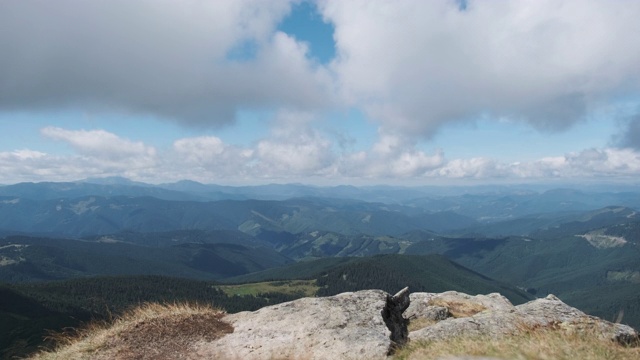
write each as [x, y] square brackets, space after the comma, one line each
[150, 331]
[458, 308]
[289, 287]
[420, 323]
[535, 344]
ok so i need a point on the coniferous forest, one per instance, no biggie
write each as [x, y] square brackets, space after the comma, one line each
[91, 253]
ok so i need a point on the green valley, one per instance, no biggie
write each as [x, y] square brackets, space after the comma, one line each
[73, 251]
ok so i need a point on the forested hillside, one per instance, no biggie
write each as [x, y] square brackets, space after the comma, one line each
[430, 273]
[35, 259]
[580, 246]
[29, 311]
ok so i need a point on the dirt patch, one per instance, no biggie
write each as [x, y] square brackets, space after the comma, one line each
[599, 240]
[167, 337]
[457, 308]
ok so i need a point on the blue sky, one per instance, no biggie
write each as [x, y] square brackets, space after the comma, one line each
[326, 92]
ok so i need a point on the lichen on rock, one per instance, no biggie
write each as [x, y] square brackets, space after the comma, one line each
[345, 326]
[501, 318]
[368, 324]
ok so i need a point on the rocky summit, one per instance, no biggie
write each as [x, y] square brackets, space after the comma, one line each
[345, 326]
[372, 324]
[494, 315]
[369, 324]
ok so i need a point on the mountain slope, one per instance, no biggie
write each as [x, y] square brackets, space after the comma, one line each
[24, 322]
[29, 311]
[34, 259]
[597, 271]
[59, 190]
[430, 273]
[96, 215]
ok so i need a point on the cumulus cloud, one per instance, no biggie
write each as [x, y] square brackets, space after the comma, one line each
[167, 58]
[411, 65]
[604, 162]
[392, 156]
[205, 158]
[99, 143]
[102, 151]
[292, 152]
[589, 163]
[200, 149]
[417, 65]
[481, 168]
[294, 147]
[31, 165]
[608, 163]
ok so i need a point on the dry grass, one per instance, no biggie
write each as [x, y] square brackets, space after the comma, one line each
[538, 344]
[420, 323]
[151, 331]
[307, 287]
[458, 308]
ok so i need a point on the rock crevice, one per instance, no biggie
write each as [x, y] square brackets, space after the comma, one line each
[394, 307]
[373, 324]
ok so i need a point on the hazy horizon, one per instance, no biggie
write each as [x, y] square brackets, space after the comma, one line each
[449, 189]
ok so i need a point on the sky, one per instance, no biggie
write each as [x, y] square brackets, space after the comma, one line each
[320, 92]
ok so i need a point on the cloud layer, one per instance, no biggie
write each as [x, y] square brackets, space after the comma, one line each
[416, 65]
[292, 156]
[166, 58]
[413, 67]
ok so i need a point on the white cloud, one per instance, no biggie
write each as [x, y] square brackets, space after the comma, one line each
[392, 156]
[294, 148]
[166, 58]
[199, 149]
[100, 143]
[294, 151]
[471, 168]
[204, 158]
[417, 65]
[609, 163]
[30, 165]
[605, 162]
[100, 152]
[23, 155]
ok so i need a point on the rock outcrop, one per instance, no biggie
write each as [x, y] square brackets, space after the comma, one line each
[370, 324]
[345, 326]
[494, 315]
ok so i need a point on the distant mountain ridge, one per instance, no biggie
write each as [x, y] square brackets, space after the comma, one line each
[72, 190]
[580, 245]
[96, 215]
[483, 203]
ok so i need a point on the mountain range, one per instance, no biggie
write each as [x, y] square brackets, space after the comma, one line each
[581, 245]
